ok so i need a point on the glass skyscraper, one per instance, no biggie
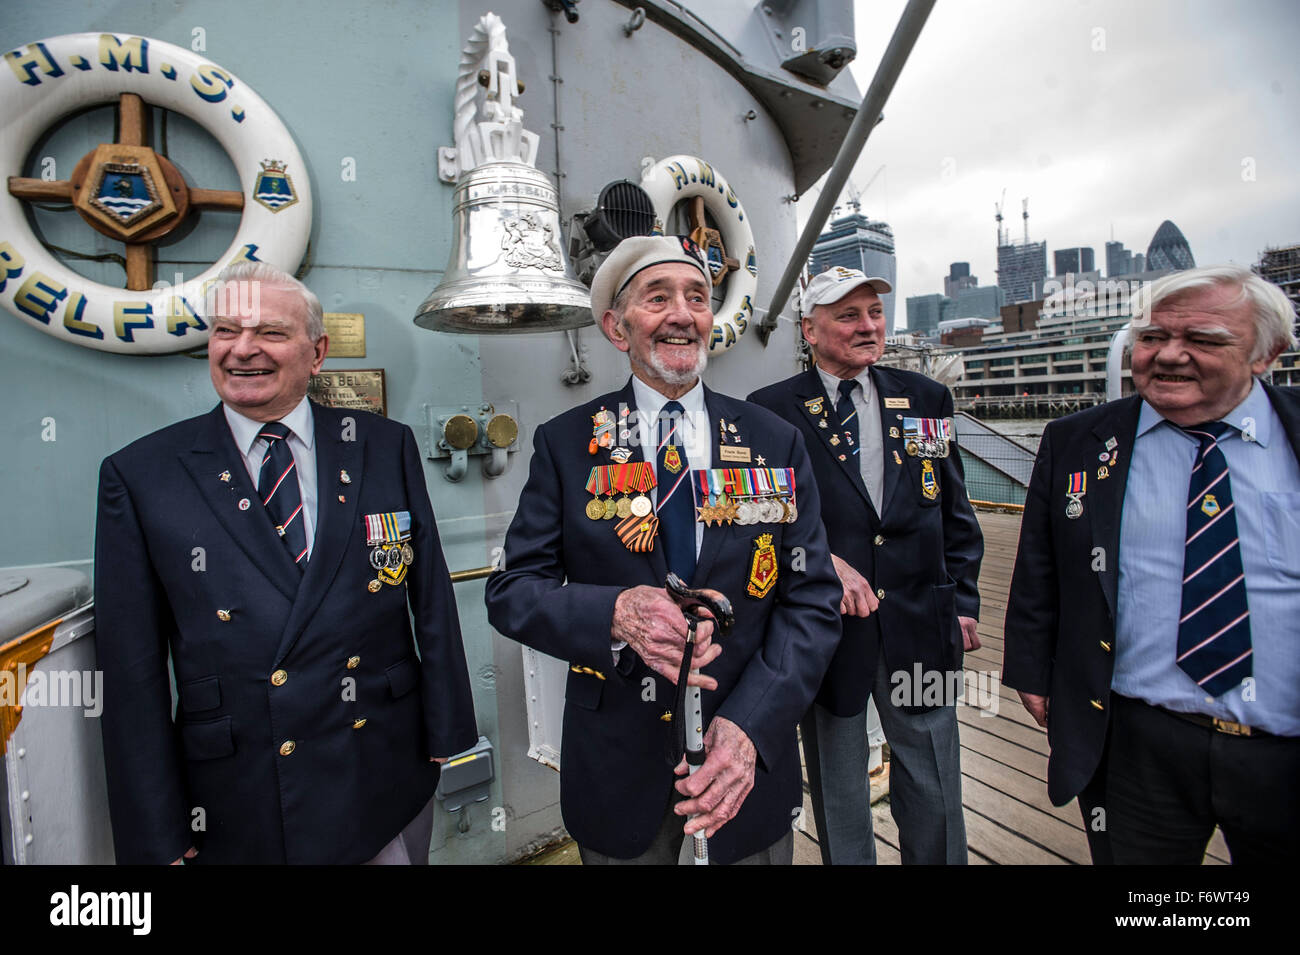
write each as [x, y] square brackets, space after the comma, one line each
[856, 242]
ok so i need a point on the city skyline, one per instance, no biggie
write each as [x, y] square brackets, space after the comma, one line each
[1110, 117]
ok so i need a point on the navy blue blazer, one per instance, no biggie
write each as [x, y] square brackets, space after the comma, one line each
[181, 568]
[1060, 622]
[561, 576]
[923, 553]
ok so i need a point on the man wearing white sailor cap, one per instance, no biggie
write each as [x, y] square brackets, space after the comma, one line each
[907, 549]
[623, 489]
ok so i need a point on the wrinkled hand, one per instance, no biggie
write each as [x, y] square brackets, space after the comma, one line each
[720, 786]
[1036, 705]
[859, 599]
[652, 625]
[189, 854]
[969, 638]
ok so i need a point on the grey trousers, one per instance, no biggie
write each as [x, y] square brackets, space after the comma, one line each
[924, 782]
[670, 845]
[411, 845]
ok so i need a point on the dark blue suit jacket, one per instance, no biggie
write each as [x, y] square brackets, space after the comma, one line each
[1060, 623]
[172, 548]
[556, 592]
[924, 554]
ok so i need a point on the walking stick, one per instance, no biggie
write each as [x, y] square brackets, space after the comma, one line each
[688, 713]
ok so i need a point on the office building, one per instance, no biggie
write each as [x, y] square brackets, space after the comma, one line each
[857, 242]
[1169, 250]
[1073, 260]
[1021, 270]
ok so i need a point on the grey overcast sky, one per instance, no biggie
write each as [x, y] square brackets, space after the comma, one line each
[1107, 114]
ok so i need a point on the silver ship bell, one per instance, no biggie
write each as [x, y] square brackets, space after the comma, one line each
[507, 271]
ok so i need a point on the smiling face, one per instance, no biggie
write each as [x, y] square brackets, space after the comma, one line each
[848, 335]
[665, 327]
[1192, 362]
[261, 357]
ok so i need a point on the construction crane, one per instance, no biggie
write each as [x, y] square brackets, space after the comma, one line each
[998, 207]
[855, 194]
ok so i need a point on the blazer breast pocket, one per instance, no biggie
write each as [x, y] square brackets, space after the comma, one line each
[928, 487]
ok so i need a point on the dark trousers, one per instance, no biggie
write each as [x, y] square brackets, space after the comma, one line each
[1170, 782]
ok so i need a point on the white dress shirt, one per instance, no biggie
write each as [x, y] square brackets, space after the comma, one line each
[302, 433]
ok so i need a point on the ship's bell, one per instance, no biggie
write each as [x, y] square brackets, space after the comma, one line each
[507, 271]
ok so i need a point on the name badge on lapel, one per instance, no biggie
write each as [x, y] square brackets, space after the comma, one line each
[389, 535]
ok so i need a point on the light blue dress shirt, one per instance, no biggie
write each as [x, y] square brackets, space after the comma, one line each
[1266, 489]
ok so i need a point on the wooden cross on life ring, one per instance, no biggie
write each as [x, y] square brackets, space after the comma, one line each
[710, 240]
[128, 192]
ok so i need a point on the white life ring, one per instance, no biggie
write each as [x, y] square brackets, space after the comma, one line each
[45, 81]
[671, 180]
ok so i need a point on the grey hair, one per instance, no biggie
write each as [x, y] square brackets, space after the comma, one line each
[1272, 311]
[265, 274]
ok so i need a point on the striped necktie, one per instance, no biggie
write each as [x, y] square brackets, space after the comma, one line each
[675, 507]
[1214, 622]
[847, 416]
[277, 486]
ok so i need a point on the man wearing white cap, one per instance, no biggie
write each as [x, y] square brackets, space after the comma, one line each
[907, 548]
[666, 475]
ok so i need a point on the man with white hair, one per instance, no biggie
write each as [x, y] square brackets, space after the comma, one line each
[667, 475]
[275, 550]
[1152, 623]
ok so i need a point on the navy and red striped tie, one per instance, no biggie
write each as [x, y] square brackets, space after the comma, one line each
[1214, 622]
[277, 486]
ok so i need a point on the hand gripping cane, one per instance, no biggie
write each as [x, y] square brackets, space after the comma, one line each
[688, 713]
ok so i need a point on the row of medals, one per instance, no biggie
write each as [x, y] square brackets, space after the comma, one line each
[625, 506]
[392, 559]
[746, 511]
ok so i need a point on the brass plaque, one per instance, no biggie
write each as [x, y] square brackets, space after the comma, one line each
[347, 332]
[362, 389]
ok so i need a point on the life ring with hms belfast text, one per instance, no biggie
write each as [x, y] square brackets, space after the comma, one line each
[130, 193]
[729, 248]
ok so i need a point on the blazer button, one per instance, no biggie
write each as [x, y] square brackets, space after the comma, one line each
[880, 593]
[354, 662]
[1097, 704]
[1104, 645]
[223, 616]
[278, 678]
[357, 724]
[880, 539]
[287, 747]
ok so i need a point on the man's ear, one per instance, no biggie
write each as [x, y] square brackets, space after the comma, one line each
[806, 324]
[1261, 367]
[609, 324]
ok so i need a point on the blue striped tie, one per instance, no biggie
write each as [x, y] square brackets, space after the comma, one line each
[277, 486]
[675, 509]
[847, 415]
[1214, 622]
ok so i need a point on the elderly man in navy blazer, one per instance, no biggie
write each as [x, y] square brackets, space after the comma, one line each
[277, 551]
[907, 549]
[619, 493]
[1152, 624]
